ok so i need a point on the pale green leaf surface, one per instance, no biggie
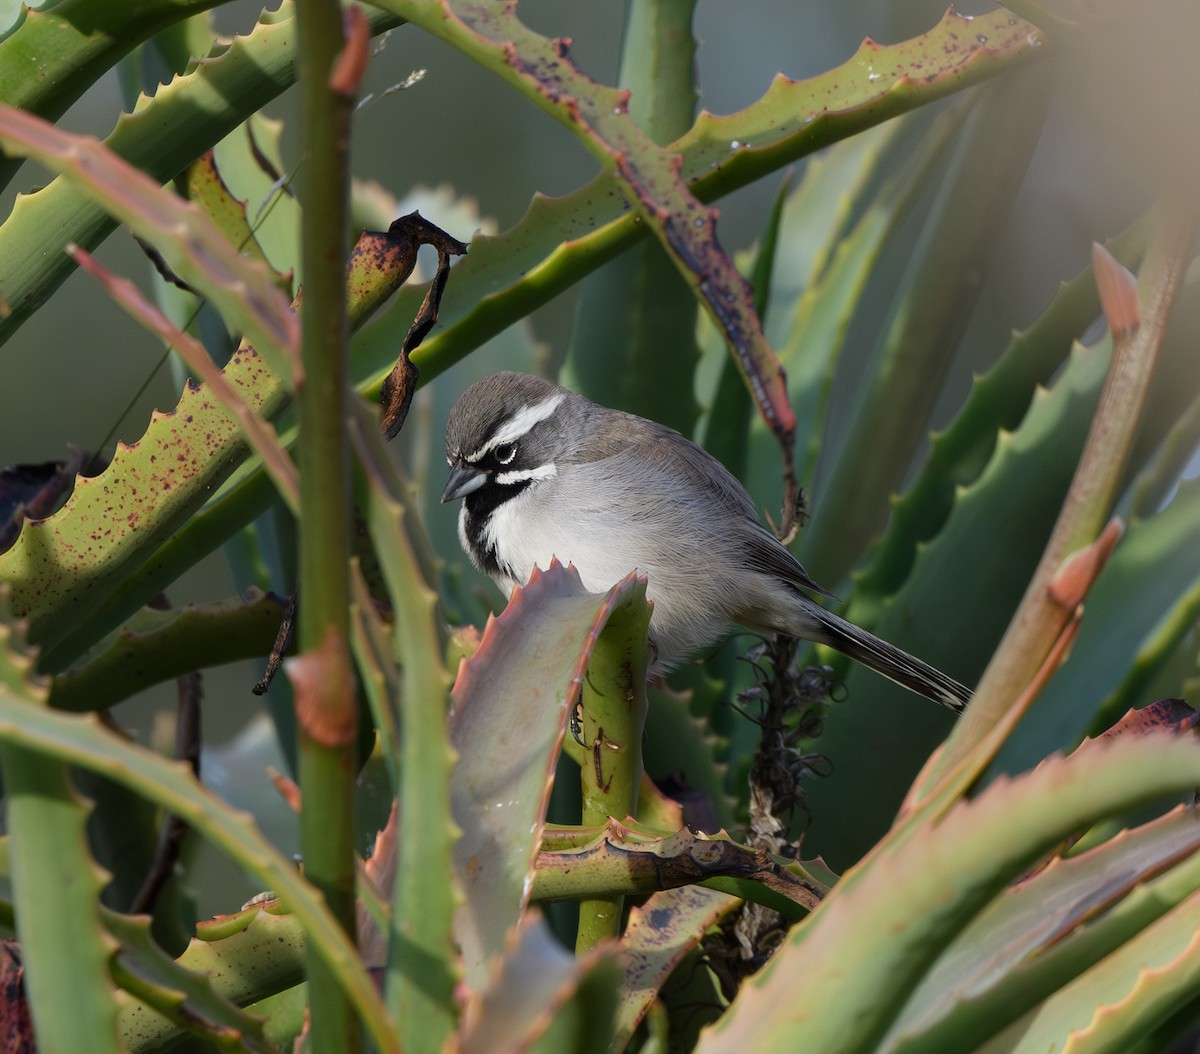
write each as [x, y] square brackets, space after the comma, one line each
[258, 952]
[511, 702]
[859, 956]
[1108, 1008]
[987, 963]
[541, 998]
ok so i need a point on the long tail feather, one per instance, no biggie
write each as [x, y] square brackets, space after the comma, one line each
[884, 658]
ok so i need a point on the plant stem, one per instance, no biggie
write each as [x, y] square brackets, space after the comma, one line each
[327, 722]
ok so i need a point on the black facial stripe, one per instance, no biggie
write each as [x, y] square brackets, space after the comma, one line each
[480, 505]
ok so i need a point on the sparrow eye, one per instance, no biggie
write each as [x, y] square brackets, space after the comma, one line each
[506, 452]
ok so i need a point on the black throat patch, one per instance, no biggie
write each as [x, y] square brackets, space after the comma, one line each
[480, 505]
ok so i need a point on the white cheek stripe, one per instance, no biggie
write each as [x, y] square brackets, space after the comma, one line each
[520, 475]
[518, 425]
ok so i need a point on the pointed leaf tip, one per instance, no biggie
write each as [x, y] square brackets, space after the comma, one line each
[1080, 570]
[1118, 291]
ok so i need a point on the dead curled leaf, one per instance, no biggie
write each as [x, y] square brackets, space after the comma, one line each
[396, 394]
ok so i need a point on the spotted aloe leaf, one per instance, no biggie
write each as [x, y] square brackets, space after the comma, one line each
[161, 137]
[647, 176]
[542, 999]
[242, 289]
[660, 933]
[109, 527]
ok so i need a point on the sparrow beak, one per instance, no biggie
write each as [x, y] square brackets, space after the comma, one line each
[464, 478]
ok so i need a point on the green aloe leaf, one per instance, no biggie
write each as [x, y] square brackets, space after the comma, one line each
[187, 995]
[422, 962]
[886, 922]
[681, 740]
[73, 43]
[1049, 928]
[996, 405]
[157, 646]
[234, 961]
[1032, 465]
[876, 177]
[869, 449]
[83, 741]
[242, 289]
[1116, 1004]
[1141, 606]
[63, 939]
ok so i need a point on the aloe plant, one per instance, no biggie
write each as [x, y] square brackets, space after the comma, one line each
[998, 883]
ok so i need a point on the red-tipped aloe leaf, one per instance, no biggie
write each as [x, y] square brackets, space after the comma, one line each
[510, 708]
[860, 955]
[541, 999]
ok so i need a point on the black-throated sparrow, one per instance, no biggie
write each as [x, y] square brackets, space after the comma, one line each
[544, 472]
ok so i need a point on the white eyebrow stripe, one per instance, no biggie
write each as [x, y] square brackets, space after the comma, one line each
[519, 424]
[522, 475]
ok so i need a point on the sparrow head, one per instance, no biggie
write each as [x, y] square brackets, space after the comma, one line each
[506, 430]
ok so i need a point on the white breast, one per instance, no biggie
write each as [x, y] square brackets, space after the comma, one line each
[583, 526]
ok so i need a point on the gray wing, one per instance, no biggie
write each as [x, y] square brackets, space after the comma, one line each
[762, 551]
